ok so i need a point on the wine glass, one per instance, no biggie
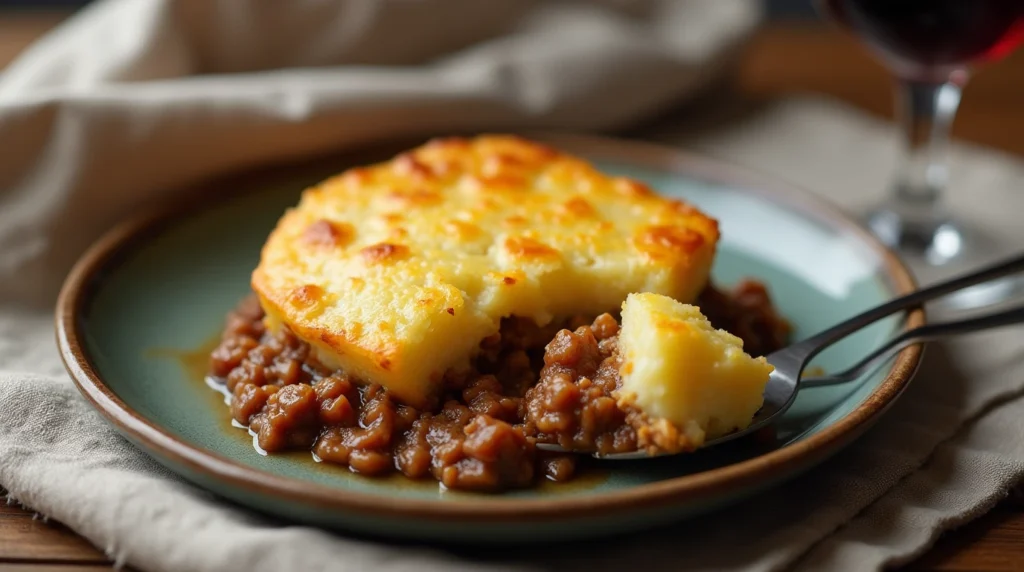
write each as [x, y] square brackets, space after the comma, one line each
[930, 46]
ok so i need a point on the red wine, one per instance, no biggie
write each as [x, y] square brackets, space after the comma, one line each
[928, 34]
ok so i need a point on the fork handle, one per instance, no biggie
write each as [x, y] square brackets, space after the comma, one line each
[813, 345]
[918, 335]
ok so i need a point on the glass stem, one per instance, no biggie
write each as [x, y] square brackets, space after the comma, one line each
[925, 110]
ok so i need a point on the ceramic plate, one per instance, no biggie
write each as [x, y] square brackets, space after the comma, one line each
[139, 312]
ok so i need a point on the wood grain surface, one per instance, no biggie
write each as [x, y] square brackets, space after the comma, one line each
[782, 59]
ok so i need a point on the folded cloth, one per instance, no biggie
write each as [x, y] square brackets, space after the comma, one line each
[130, 100]
[133, 99]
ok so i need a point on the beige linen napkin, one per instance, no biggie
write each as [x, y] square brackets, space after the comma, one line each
[136, 97]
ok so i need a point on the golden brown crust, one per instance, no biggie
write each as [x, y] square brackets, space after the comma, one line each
[327, 233]
[413, 261]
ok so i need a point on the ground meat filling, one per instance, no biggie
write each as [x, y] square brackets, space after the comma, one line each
[572, 403]
[529, 384]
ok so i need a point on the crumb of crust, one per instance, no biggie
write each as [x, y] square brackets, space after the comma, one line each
[656, 436]
[813, 371]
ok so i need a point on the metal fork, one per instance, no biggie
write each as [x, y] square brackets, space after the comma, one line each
[918, 335]
[784, 383]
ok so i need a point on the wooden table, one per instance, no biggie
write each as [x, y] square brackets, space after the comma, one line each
[783, 59]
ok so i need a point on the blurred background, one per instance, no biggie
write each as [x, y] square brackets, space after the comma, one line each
[787, 8]
[794, 52]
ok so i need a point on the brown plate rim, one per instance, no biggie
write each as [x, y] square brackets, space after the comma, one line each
[770, 467]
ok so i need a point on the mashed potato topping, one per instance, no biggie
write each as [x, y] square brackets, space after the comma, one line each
[691, 381]
[396, 272]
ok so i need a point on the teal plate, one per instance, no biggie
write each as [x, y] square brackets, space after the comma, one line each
[138, 313]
